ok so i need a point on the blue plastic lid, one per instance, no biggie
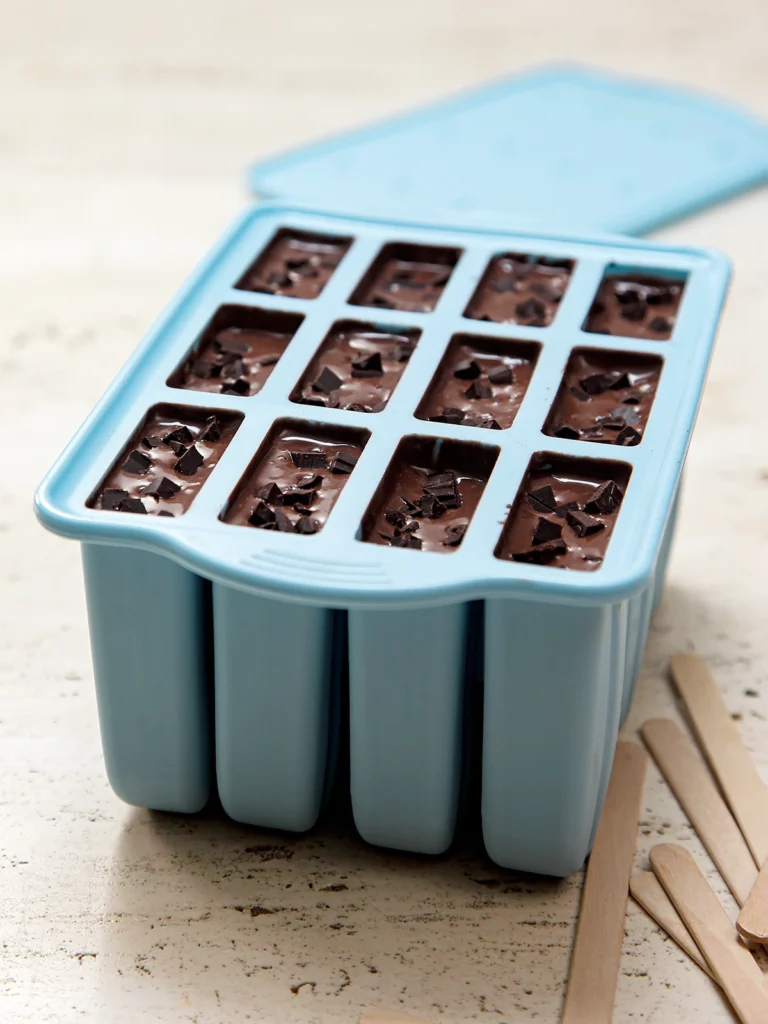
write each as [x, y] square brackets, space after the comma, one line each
[563, 147]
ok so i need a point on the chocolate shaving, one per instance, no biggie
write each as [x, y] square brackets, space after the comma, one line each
[137, 463]
[605, 499]
[190, 462]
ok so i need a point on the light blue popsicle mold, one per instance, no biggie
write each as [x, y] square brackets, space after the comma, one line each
[561, 648]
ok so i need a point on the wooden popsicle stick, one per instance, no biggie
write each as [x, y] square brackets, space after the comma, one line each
[596, 951]
[723, 747]
[648, 892]
[382, 1016]
[732, 963]
[753, 919]
[699, 797]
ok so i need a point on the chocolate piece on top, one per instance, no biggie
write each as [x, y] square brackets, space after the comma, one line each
[635, 304]
[430, 488]
[278, 479]
[406, 277]
[480, 382]
[521, 289]
[605, 396]
[297, 264]
[356, 368]
[158, 475]
[564, 513]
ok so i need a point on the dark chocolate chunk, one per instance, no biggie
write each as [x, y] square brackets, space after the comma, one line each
[532, 310]
[328, 381]
[563, 430]
[454, 534]
[500, 374]
[309, 460]
[612, 422]
[138, 463]
[181, 435]
[542, 554]
[306, 525]
[261, 515]
[405, 540]
[580, 395]
[599, 383]
[440, 479]
[468, 370]
[452, 415]
[211, 431]
[111, 498]
[479, 389]
[622, 381]
[542, 499]
[236, 387]
[270, 493]
[546, 531]
[626, 413]
[627, 293]
[405, 349]
[657, 296]
[368, 366]
[313, 400]
[231, 341]
[431, 506]
[605, 499]
[269, 360]
[634, 311]
[152, 442]
[133, 505]
[206, 369]
[284, 523]
[582, 524]
[379, 300]
[177, 447]
[190, 462]
[395, 517]
[164, 488]
[310, 481]
[661, 324]
[565, 508]
[165, 512]
[343, 462]
[628, 437]
[357, 407]
[297, 495]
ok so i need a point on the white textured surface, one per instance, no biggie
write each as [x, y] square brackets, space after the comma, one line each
[124, 129]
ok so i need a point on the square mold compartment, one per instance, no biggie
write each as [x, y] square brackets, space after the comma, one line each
[276, 624]
[518, 288]
[634, 302]
[297, 264]
[407, 277]
[480, 382]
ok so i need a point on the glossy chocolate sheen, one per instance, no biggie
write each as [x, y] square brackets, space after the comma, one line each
[406, 277]
[289, 442]
[604, 393]
[572, 481]
[462, 381]
[521, 289]
[345, 352]
[297, 264]
[237, 352]
[636, 306]
[403, 485]
[167, 461]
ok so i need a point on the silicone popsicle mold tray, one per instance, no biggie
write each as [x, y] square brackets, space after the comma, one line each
[292, 613]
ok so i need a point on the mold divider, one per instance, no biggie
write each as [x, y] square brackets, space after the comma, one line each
[149, 643]
[273, 705]
[548, 673]
[406, 700]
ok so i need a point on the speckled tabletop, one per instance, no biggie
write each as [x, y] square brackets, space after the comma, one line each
[124, 130]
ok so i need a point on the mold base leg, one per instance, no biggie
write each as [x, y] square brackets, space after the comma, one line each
[551, 714]
[406, 688]
[273, 663]
[149, 630]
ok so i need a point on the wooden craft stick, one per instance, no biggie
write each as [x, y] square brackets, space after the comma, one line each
[596, 951]
[382, 1016]
[648, 892]
[732, 963]
[722, 745]
[699, 797]
[753, 919]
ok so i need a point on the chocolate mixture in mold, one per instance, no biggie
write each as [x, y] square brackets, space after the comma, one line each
[295, 478]
[520, 289]
[428, 494]
[406, 277]
[357, 367]
[564, 513]
[297, 264]
[605, 397]
[480, 382]
[635, 305]
[167, 461]
[237, 352]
